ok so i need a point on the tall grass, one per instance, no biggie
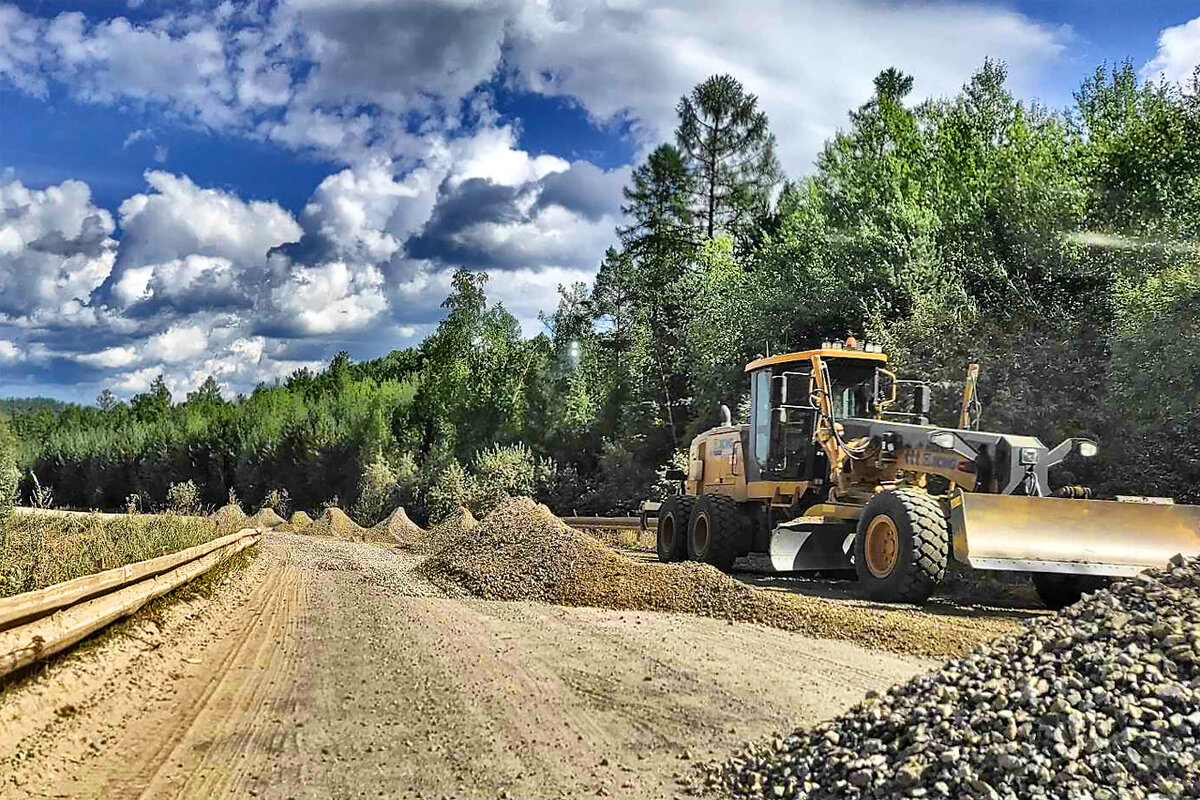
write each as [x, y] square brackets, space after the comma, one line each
[38, 551]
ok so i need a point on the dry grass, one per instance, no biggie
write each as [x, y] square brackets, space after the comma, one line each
[624, 538]
[40, 551]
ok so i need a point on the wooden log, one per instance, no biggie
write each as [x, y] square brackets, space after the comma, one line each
[64, 512]
[43, 601]
[27, 643]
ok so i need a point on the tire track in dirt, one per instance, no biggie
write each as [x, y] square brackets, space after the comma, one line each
[339, 673]
[232, 733]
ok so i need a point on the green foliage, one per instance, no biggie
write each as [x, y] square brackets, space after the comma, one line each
[1056, 248]
[376, 489]
[450, 489]
[8, 469]
[503, 471]
[731, 152]
[183, 498]
[278, 501]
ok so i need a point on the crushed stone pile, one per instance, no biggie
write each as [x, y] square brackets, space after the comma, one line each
[300, 522]
[230, 519]
[266, 518]
[399, 529]
[1101, 701]
[523, 552]
[449, 531]
[334, 522]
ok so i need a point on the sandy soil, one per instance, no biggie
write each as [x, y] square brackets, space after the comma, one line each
[328, 669]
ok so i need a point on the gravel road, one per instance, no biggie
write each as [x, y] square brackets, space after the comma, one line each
[329, 669]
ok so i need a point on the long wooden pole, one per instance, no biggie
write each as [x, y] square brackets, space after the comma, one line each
[24, 644]
[43, 601]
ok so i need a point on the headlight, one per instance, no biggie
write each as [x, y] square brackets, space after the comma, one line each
[943, 439]
[1028, 456]
[1088, 449]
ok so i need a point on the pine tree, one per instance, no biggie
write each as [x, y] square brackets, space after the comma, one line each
[730, 149]
[106, 400]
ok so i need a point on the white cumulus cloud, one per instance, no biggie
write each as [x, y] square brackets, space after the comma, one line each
[56, 247]
[1178, 54]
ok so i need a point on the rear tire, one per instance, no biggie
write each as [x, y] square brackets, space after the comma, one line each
[1057, 591]
[902, 546]
[674, 517]
[718, 531]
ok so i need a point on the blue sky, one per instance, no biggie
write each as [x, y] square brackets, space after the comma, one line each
[241, 188]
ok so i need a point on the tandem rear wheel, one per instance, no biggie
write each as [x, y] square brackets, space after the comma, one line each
[902, 546]
[674, 519]
[718, 531]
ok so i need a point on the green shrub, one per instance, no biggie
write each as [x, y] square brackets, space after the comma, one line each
[278, 501]
[8, 469]
[503, 471]
[376, 488]
[450, 489]
[184, 498]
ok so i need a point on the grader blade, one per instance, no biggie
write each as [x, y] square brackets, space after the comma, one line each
[1080, 537]
[811, 543]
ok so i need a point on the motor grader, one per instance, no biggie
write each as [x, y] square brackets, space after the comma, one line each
[833, 472]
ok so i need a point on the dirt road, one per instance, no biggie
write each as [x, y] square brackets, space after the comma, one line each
[328, 670]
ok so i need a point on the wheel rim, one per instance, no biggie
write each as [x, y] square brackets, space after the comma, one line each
[882, 547]
[669, 531]
[701, 535]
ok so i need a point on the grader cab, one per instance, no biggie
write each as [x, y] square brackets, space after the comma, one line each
[839, 469]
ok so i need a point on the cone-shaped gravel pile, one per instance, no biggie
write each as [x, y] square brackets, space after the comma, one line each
[449, 530]
[334, 522]
[230, 519]
[1101, 701]
[523, 552]
[300, 522]
[266, 519]
[400, 530]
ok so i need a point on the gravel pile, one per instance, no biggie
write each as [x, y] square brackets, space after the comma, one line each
[334, 522]
[230, 519]
[449, 531]
[266, 518]
[401, 530]
[300, 522]
[1101, 701]
[523, 552]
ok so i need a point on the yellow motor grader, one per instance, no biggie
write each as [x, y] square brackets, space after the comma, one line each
[831, 474]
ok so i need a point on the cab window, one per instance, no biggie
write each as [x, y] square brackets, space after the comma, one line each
[762, 416]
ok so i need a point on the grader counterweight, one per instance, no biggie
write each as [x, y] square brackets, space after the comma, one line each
[830, 473]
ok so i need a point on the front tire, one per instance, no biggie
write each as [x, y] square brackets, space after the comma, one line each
[1057, 591]
[902, 546]
[718, 531]
[674, 517]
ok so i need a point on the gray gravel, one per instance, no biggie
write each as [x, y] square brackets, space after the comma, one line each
[1101, 701]
[389, 570]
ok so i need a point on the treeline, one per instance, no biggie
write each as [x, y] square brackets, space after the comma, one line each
[1058, 248]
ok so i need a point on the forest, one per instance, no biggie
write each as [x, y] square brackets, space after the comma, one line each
[1058, 248]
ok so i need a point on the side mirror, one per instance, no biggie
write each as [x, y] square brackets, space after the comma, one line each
[675, 474]
[922, 400]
